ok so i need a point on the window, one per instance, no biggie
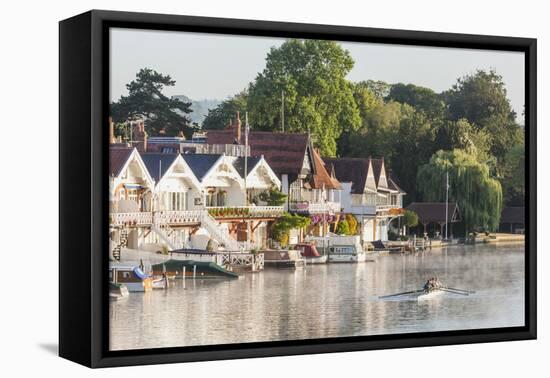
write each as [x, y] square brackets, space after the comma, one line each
[221, 198]
[177, 201]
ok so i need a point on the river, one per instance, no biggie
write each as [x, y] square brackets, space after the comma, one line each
[331, 300]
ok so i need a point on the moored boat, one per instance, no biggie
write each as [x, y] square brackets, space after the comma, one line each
[340, 249]
[289, 259]
[133, 277]
[192, 269]
[310, 254]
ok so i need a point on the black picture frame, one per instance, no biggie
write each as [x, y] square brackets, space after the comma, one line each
[83, 196]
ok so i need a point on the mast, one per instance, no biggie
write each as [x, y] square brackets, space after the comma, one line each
[447, 206]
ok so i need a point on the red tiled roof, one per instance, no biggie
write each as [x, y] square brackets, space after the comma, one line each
[118, 156]
[321, 178]
[284, 152]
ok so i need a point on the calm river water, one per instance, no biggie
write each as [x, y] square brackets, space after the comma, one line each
[328, 301]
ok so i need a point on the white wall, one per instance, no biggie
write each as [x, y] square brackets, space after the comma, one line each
[30, 63]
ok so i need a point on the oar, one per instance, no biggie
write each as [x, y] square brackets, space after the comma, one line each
[454, 292]
[455, 289]
[403, 293]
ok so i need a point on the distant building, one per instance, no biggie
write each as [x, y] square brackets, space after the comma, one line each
[512, 219]
[436, 213]
[368, 193]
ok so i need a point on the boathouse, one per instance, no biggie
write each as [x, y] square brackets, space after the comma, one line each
[310, 188]
[369, 193]
[436, 213]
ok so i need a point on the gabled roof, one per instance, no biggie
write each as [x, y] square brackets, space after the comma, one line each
[156, 162]
[118, 158]
[201, 164]
[434, 212]
[378, 167]
[251, 164]
[320, 177]
[284, 152]
[513, 214]
[352, 170]
[393, 185]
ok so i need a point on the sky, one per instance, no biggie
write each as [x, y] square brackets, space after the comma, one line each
[213, 66]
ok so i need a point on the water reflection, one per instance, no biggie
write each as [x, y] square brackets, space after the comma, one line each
[328, 301]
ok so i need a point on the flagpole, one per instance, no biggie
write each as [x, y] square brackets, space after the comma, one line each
[246, 129]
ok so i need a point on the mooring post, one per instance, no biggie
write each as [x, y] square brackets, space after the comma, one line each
[194, 271]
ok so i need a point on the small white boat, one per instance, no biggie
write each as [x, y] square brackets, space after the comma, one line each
[135, 279]
[340, 249]
[427, 295]
[160, 283]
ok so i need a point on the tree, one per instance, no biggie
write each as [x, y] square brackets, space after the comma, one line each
[479, 196]
[219, 117]
[381, 89]
[420, 98]
[513, 180]
[378, 131]
[463, 136]
[482, 99]
[410, 218]
[280, 230]
[146, 101]
[311, 74]
[273, 197]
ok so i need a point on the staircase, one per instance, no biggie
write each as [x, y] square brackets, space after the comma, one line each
[218, 233]
[123, 242]
[165, 233]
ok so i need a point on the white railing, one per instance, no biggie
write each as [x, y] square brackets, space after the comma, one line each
[315, 207]
[245, 211]
[131, 219]
[178, 217]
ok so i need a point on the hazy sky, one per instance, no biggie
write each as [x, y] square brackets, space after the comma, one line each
[218, 66]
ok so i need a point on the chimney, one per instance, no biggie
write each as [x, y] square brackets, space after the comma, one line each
[140, 136]
[112, 138]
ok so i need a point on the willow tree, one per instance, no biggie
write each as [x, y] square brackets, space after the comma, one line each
[479, 196]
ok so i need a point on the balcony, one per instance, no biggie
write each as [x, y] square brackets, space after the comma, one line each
[306, 207]
[225, 212]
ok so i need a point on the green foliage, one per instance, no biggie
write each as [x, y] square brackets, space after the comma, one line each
[479, 196]
[481, 98]
[410, 218]
[352, 224]
[343, 228]
[219, 117]
[273, 197]
[381, 89]
[280, 230]
[210, 246]
[318, 98]
[146, 101]
[421, 98]
[513, 176]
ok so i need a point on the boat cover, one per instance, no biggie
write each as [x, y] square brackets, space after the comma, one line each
[140, 273]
